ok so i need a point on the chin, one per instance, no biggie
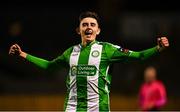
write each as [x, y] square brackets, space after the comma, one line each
[89, 39]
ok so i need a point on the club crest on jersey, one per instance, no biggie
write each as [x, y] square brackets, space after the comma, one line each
[95, 53]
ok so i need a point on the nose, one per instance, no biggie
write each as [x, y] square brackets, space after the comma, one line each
[89, 25]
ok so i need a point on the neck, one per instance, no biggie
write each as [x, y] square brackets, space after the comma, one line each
[85, 43]
[150, 81]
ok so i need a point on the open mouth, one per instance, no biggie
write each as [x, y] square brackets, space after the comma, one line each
[88, 31]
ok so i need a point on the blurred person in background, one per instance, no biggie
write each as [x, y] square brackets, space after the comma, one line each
[88, 81]
[152, 94]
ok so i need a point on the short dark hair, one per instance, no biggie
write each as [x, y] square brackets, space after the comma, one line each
[89, 14]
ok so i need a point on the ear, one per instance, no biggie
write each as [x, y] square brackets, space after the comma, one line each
[77, 30]
[98, 32]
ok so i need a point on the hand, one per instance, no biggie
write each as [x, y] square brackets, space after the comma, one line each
[162, 43]
[16, 50]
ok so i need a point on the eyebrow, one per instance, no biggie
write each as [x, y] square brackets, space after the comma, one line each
[87, 23]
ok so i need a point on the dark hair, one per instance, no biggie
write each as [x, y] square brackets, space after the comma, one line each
[89, 14]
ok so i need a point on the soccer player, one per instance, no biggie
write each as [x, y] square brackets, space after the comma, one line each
[152, 94]
[88, 62]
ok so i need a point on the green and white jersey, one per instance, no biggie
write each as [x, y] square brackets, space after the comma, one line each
[88, 80]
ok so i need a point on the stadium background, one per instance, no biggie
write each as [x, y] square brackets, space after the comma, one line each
[46, 29]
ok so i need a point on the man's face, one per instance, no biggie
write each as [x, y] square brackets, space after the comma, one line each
[150, 74]
[88, 29]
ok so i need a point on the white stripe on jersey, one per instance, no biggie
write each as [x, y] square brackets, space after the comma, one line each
[106, 86]
[92, 81]
[72, 101]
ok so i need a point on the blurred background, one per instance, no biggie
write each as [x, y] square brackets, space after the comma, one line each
[46, 29]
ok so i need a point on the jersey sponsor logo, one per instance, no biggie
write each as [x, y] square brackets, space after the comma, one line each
[73, 70]
[83, 70]
[95, 53]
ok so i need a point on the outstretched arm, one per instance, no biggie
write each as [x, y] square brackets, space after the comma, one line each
[45, 64]
[142, 55]
[119, 54]
[162, 44]
[38, 61]
[16, 50]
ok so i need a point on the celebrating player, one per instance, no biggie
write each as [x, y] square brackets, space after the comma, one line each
[88, 79]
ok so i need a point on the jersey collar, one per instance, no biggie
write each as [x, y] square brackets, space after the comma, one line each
[88, 44]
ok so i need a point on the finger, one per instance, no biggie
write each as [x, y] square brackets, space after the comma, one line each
[167, 44]
[13, 47]
[12, 52]
[17, 46]
[163, 37]
[164, 40]
[158, 39]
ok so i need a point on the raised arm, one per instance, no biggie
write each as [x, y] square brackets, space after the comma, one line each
[120, 54]
[16, 50]
[142, 55]
[162, 44]
[42, 63]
